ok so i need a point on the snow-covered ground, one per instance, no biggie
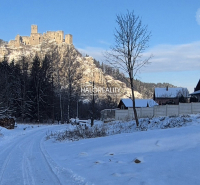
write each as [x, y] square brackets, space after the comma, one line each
[168, 156]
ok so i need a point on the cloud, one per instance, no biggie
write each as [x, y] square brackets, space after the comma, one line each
[198, 16]
[166, 58]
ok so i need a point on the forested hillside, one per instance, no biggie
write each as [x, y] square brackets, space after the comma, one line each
[43, 83]
[146, 89]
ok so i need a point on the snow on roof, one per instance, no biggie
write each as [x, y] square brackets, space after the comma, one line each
[139, 102]
[170, 92]
[196, 92]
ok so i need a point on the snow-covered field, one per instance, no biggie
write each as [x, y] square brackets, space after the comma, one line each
[168, 156]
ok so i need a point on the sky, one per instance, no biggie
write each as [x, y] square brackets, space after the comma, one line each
[174, 26]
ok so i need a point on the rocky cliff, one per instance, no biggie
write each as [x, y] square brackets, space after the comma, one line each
[103, 84]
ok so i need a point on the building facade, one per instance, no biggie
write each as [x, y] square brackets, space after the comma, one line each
[166, 95]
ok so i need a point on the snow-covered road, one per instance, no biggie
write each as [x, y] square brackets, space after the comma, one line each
[24, 161]
[168, 156]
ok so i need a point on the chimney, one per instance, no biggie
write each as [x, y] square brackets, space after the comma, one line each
[167, 88]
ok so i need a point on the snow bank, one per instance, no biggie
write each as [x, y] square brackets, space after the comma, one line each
[77, 132]
[167, 156]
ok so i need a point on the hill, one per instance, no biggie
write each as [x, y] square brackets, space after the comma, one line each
[105, 75]
[54, 81]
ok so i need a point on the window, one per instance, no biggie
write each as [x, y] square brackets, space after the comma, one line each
[122, 106]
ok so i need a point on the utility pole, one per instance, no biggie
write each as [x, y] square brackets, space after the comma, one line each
[92, 119]
[77, 109]
[52, 89]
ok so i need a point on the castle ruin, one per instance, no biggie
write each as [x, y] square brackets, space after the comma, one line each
[37, 38]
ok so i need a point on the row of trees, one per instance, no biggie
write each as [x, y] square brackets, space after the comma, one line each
[24, 93]
[47, 89]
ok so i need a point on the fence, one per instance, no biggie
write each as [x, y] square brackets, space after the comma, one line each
[148, 112]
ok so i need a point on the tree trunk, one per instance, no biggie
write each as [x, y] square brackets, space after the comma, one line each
[61, 109]
[133, 99]
[38, 107]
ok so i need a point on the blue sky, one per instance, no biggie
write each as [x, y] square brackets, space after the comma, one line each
[175, 27]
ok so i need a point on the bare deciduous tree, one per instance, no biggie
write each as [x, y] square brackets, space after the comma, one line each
[72, 74]
[131, 39]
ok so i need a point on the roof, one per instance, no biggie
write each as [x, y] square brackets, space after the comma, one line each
[171, 92]
[139, 102]
[196, 92]
[197, 88]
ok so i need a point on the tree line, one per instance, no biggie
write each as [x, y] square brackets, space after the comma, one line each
[45, 89]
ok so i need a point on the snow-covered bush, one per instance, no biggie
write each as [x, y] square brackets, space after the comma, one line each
[84, 131]
[79, 132]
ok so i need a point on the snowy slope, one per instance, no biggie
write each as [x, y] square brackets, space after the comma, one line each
[168, 156]
[23, 159]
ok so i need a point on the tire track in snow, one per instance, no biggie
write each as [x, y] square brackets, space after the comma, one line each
[29, 166]
[27, 173]
[3, 167]
[27, 162]
[65, 176]
[14, 159]
[9, 151]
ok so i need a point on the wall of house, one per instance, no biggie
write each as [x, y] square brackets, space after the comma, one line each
[162, 101]
[198, 97]
[163, 110]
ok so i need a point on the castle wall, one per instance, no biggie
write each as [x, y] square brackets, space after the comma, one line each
[58, 36]
[26, 40]
[18, 40]
[37, 38]
[68, 39]
[12, 42]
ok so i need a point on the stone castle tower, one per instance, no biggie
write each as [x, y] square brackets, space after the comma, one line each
[34, 29]
[68, 39]
[37, 38]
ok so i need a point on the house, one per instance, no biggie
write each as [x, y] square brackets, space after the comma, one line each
[197, 88]
[125, 109]
[195, 96]
[168, 95]
[128, 103]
